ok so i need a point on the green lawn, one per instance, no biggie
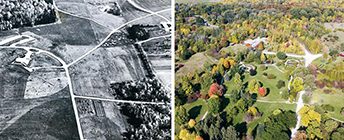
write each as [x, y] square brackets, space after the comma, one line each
[234, 49]
[266, 109]
[196, 111]
[317, 62]
[270, 84]
[335, 99]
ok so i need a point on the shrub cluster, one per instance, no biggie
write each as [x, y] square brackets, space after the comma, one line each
[263, 68]
[327, 107]
[192, 98]
[271, 76]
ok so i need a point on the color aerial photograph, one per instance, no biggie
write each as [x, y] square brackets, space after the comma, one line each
[259, 70]
[85, 69]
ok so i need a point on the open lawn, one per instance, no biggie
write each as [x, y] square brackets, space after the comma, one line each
[196, 62]
[335, 99]
[234, 49]
[317, 62]
[270, 84]
[196, 109]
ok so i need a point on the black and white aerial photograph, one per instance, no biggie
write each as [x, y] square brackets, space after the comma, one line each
[85, 69]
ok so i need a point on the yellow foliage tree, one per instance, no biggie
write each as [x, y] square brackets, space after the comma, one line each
[185, 135]
[277, 111]
[253, 110]
[214, 69]
[221, 61]
[262, 57]
[192, 123]
[308, 115]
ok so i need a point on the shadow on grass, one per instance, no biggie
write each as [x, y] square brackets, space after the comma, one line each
[195, 111]
[267, 92]
[224, 103]
[241, 128]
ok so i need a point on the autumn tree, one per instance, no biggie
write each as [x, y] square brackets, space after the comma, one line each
[216, 89]
[309, 116]
[300, 135]
[297, 84]
[186, 135]
[226, 64]
[198, 138]
[262, 91]
[191, 123]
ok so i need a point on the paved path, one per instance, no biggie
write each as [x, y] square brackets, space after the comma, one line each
[273, 102]
[291, 79]
[204, 115]
[309, 58]
[300, 104]
[120, 101]
[337, 120]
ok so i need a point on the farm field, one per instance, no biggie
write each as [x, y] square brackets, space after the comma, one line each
[116, 64]
[153, 5]
[59, 75]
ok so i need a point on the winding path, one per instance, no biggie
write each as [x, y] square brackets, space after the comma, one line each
[300, 104]
[113, 31]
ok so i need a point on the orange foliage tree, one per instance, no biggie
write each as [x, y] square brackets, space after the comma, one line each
[215, 89]
[262, 91]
